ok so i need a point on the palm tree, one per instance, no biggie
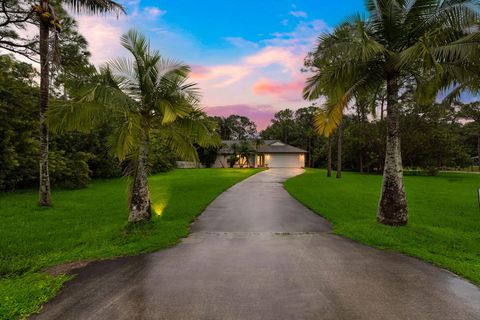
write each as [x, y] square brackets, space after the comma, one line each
[233, 158]
[245, 150]
[339, 150]
[258, 141]
[47, 21]
[329, 157]
[145, 95]
[322, 126]
[433, 43]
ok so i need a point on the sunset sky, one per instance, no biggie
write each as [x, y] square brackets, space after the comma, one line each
[245, 55]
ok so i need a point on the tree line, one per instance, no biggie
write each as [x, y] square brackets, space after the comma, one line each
[434, 138]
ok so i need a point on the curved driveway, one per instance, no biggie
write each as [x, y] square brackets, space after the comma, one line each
[256, 253]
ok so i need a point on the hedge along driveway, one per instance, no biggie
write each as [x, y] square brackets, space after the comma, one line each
[91, 224]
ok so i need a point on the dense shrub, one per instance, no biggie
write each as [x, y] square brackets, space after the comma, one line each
[161, 159]
[207, 156]
[18, 124]
[70, 171]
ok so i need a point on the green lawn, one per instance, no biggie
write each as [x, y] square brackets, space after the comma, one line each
[444, 224]
[91, 224]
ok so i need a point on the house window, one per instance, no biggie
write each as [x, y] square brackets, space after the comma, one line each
[260, 160]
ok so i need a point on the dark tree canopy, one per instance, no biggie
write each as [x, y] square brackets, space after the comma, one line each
[236, 127]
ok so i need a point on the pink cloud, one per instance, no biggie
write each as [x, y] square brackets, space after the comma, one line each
[218, 76]
[291, 91]
[283, 56]
[198, 71]
[221, 75]
[103, 36]
[260, 114]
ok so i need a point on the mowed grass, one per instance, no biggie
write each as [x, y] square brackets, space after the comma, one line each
[444, 215]
[91, 224]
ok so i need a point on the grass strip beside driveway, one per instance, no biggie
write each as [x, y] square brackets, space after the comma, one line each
[444, 215]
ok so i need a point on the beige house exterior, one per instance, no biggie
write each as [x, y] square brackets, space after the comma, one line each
[269, 154]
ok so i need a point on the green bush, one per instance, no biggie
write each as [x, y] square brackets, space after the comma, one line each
[76, 157]
[232, 160]
[72, 171]
[18, 124]
[160, 158]
[207, 156]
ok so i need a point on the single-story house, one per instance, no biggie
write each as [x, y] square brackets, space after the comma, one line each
[267, 153]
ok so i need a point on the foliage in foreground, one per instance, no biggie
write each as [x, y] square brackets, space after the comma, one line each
[444, 223]
[90, 224]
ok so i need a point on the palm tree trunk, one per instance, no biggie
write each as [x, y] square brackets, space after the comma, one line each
[392, 208]
[381, 109]
[339, 151]
[44, 189]
[139, 205]
[361, 162]
[329, 157]
[310, 161]
[478, 150]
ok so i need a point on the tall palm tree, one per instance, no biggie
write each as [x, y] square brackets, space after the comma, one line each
[329, 157]
[49, 21]
[322, 126]
[145, 95]
[434, 43]
[339, 150]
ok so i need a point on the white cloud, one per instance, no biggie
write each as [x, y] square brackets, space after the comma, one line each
[241, 42]
[298, 14]
[304, 34]
[153, 12]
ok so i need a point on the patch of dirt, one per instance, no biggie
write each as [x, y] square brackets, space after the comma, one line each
[67, 268]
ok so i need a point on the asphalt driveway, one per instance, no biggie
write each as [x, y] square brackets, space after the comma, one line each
[256, 253]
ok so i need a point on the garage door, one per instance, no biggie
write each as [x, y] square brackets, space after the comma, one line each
[284, 161]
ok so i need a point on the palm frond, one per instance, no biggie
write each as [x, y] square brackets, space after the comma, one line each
[92, 104]
[183, 135]
[125, 137]
[452, 96]
[95, 6]
[125, 73]
[327, 121]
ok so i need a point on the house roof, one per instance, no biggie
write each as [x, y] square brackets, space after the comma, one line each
[268, 146]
